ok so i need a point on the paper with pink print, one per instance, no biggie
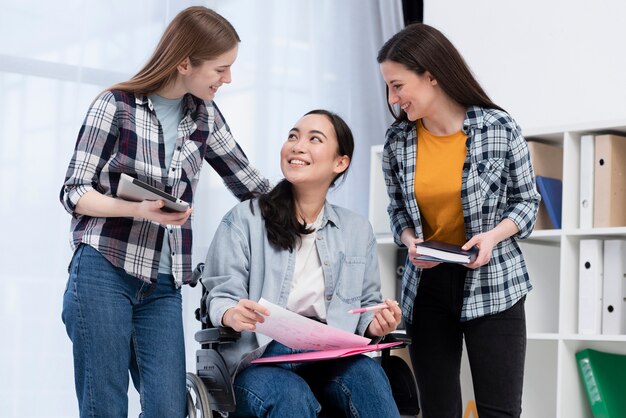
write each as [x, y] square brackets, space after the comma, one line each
[301, 333]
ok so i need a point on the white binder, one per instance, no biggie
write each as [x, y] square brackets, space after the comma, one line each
[587, 152]
[613, 302]
[590, 271]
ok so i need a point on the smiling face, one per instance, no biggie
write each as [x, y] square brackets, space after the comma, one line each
[310, 154]
[415, 94]
[203, 80]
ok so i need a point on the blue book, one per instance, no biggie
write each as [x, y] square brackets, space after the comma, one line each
[551, 191]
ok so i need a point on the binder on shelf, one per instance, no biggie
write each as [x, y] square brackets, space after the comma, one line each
[547, 161]
[587, 152]
[590, 278]
[604, 378]
[609, 182]
[551, 191]
[614, 288]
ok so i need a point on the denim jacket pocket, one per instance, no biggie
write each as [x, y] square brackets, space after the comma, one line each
[349, 287]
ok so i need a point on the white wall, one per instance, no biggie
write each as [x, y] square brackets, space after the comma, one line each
[548, 62]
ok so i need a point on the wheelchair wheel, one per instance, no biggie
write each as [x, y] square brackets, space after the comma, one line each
[198, 405]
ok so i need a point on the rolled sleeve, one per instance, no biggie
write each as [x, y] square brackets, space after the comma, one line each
[523, 198]
[71, 195]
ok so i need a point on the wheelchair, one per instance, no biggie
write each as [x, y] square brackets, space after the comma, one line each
[209, 389]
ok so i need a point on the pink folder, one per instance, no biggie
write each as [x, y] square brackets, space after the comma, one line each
[324, 355]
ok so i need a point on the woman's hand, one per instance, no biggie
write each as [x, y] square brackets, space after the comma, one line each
[413, 254]
[386, 320]
[486, 241]
[245, 315]
[151, 209]
[94, 203]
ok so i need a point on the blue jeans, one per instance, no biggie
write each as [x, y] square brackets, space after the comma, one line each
[353, 386]
[118, 323]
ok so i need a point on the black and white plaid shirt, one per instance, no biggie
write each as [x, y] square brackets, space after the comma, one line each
[498, 183]
[121, 134]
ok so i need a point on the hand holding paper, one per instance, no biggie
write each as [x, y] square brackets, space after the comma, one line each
[245, 315]
[301, 333]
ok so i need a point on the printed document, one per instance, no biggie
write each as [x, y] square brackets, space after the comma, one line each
[301, 333]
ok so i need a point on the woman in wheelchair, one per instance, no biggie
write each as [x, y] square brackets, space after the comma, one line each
[294, 248]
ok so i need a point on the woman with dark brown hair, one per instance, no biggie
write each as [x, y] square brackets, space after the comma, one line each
[122, 307]
[457, 170]
[297, 250]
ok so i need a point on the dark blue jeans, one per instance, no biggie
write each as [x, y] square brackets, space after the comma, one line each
[496, 349]
[354, 386]
[118, 323]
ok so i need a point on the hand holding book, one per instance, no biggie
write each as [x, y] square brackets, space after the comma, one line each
[443, 252]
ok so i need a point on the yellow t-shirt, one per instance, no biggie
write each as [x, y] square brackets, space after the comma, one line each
[438, 177]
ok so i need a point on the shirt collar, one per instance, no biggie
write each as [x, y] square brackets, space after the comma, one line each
[330, 215]
[474, 118]
[189, 102]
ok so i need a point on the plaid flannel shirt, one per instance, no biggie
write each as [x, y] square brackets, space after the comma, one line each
[498, 183]
[121, 134]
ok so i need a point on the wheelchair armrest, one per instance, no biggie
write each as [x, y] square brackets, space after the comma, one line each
[196, 275]
[217, 335]
[395, 337]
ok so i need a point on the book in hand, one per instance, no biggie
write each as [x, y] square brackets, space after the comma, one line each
[135, 190]
[443, 252]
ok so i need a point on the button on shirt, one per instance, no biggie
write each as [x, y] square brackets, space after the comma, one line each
[120, 134]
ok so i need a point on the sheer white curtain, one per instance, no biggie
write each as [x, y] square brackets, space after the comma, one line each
[295, 55]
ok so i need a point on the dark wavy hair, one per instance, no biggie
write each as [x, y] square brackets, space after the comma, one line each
[278, 206]
[421, 48]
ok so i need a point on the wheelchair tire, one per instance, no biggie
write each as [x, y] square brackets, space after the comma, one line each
[197, 398]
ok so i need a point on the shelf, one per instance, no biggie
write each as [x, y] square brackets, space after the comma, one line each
[540, 336]
[546, 236]
[595, 338]
[385, 239]
[598, 233]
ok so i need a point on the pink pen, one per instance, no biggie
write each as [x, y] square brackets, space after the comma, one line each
[369, 308]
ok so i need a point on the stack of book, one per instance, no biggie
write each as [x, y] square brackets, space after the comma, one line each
[443, 252]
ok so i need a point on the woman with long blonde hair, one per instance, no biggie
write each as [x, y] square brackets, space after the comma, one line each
[122, 308]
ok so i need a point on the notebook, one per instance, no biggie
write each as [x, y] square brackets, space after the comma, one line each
[135, 190]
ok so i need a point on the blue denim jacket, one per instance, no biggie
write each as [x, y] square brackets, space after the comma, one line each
[242, 264]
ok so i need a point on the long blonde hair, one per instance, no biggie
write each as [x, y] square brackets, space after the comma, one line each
[197, 33]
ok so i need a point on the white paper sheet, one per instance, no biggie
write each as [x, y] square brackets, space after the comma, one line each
[301, 333]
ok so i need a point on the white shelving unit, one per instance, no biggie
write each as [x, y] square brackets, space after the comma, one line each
[552, 387]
